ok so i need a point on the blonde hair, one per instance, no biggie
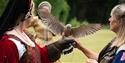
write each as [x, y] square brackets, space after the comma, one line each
[119, 12]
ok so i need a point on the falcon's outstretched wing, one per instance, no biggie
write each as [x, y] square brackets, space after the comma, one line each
[51, 22]
[84, 30]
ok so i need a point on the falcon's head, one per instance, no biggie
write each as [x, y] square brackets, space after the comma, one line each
[68, 26]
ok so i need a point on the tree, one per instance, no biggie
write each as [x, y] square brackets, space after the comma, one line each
[91, 10]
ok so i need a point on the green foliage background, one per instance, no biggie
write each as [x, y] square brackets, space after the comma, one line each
[92, 11]
[2, 5]
[60, 8]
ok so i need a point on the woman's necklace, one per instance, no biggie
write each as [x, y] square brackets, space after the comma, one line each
[24, 38]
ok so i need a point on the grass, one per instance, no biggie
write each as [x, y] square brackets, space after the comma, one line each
[95, 42]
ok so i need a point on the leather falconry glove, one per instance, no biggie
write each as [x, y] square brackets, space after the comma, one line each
[59, 47]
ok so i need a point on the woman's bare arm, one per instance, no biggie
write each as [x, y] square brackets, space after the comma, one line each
[88, 52]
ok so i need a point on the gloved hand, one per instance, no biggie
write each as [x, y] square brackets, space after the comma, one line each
[62, 46]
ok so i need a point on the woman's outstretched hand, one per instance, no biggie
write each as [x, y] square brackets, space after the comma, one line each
[77, 44]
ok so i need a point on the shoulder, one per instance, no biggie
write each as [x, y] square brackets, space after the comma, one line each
[8, 46]
[120, 48]
[120, 55]
[8, 50]
[15, 45]
[11, 45]
[6, 43]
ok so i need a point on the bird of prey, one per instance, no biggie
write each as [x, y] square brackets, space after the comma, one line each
[54, 25]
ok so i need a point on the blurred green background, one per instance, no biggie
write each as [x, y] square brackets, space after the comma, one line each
[78, 12]
[92, 11]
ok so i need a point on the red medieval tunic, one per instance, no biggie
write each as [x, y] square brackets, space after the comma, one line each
[9, 53]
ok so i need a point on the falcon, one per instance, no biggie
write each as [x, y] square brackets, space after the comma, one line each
[54, 25]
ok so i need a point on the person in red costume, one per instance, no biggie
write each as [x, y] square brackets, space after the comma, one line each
[17, 45]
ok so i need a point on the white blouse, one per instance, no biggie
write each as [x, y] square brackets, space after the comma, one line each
[21, 48]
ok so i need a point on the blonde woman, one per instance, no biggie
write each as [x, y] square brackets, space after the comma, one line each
[114, 52]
